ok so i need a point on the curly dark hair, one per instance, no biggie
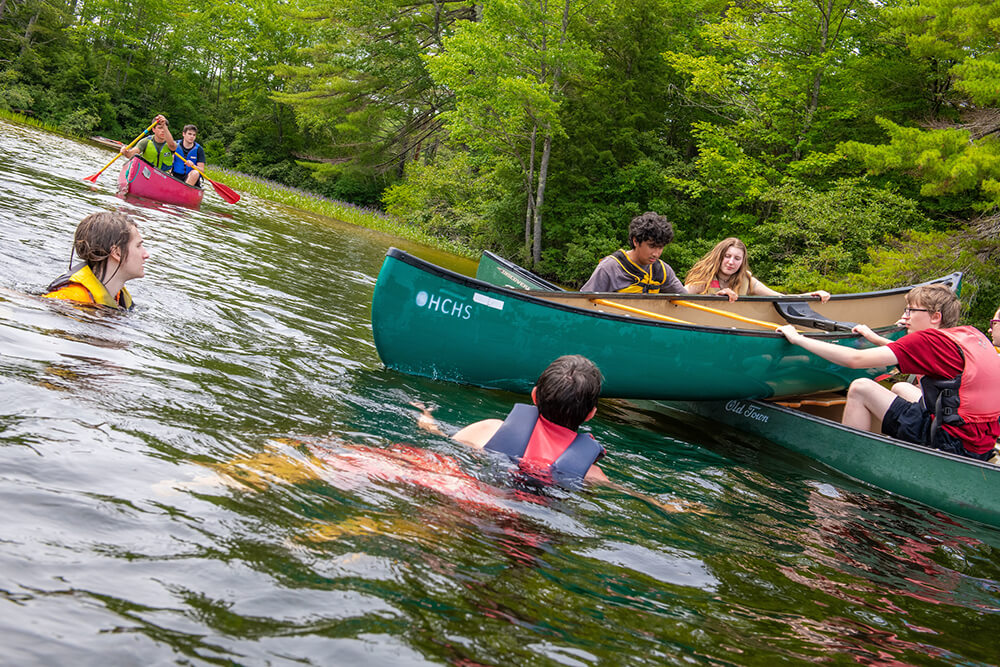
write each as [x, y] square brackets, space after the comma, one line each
[567, 390]
[652, 227]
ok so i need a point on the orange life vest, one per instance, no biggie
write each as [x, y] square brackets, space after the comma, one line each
[970, 397]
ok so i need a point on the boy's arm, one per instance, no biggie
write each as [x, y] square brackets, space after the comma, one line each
[869, 335]
[478, 434]
[475, 435]
[599, 280]
[596, 476]
[840, 354]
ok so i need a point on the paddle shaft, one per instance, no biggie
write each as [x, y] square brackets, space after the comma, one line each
[223, 191]
[734, 316]
[93, 178]
[638, 311]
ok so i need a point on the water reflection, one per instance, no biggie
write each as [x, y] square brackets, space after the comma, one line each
[348, 532]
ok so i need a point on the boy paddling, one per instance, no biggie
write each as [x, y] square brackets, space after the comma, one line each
[958, 405]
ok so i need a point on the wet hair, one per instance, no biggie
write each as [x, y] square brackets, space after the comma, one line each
[937, 299]
[190, 127]
[567, 390]
[707, 268]
[100, 233]
[652, 227]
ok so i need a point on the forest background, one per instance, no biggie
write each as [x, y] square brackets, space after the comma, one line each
[851, 144]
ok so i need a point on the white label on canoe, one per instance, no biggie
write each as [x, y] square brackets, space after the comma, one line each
[145, 172]
[487, 301]
[746, 410]
[445, 305]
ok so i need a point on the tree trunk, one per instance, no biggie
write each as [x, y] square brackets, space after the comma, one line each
[277, 116]
[543, 172]
[529, 212]
[28, 31]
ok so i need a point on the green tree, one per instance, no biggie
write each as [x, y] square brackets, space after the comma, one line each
[362, 90]
[509, 73]
[958, 151]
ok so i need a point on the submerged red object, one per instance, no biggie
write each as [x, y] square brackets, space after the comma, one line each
[141, 179]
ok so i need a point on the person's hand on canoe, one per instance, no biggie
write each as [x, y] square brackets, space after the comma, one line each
[866, 332]
[790, 332]
[823, 295]
[725, 291]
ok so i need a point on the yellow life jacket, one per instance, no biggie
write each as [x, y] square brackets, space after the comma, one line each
[83, 276]
[647, 282]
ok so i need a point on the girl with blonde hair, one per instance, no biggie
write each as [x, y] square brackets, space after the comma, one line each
[725, 270]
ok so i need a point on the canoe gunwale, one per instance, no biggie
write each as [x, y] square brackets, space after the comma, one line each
[530, 297]
[870, 435]
[960, 486]
[522, 272]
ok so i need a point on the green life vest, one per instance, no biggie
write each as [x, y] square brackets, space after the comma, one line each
[162, 160]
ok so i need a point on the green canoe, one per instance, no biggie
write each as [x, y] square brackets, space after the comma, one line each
[432, 322]
[811, 426]
[955, 484]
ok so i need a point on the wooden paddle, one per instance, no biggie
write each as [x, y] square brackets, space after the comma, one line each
[224, 191]
[93, 179]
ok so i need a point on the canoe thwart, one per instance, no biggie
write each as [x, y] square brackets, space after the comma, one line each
[801, 313]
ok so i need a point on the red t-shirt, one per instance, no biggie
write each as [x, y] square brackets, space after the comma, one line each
[930, 352]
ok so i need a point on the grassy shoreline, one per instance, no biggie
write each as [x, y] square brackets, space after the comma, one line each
[294, 197]
[352, 214]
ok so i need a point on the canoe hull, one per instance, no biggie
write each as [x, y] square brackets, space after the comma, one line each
[140, 179]
[435, 323]
[957, 485]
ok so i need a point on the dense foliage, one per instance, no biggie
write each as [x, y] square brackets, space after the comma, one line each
[851, 143]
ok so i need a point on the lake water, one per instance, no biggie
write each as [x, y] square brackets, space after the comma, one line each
[228, 475]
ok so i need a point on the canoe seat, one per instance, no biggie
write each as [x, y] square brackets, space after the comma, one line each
[819, 400]
[802, 314]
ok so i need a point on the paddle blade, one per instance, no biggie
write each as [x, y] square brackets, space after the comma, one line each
[225, 192]
[92, 178]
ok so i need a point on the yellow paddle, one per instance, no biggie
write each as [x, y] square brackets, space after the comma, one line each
[638, 311]
[93, 179]
[723, 313]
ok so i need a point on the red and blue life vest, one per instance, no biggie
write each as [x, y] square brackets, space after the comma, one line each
[544, 449]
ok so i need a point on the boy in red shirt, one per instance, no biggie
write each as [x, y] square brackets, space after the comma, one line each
[958, 406]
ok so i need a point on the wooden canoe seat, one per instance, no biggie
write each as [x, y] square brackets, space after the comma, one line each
[818, 400]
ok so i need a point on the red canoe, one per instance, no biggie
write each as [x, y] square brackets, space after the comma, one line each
[141, 179]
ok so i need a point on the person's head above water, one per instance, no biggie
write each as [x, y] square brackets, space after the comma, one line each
[566, 392]
[110, 238]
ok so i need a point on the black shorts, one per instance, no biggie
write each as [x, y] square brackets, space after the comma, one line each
[907, 421]
[912, 422]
